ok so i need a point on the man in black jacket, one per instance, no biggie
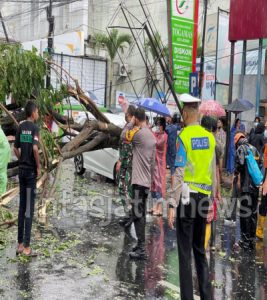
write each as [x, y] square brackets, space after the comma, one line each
[256, 139]
[249, 192]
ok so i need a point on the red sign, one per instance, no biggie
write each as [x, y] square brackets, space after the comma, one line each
[248, 20]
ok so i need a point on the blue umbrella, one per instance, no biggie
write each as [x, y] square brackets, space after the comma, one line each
[154, 105]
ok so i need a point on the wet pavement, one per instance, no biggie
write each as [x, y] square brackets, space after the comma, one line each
[83, 253]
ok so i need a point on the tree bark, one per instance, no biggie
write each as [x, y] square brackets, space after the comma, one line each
[87, 147]
[77, 141]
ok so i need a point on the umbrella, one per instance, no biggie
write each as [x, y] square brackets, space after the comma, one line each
[247, 103]
[212, 108]
[237, 107]
[154, 105]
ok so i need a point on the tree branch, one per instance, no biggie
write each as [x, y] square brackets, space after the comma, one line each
[87, 147]
[9, 114]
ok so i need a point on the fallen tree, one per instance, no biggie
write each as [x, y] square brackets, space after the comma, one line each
[94, 134]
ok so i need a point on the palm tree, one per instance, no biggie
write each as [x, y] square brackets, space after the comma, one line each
[157, 43]
[163, 53]
[113, 42]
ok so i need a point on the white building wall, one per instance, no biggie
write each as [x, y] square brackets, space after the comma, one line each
[28, 22]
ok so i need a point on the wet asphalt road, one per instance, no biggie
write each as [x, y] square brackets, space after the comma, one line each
[83, 253]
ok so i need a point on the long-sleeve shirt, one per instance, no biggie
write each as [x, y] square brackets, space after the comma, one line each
[144, 153]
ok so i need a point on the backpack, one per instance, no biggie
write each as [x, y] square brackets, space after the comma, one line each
[253, 167]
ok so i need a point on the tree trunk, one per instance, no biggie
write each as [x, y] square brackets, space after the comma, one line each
[111, 103]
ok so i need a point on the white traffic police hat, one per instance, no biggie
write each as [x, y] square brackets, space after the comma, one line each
[186, 98]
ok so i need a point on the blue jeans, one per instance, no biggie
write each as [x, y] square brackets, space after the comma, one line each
[27, 184]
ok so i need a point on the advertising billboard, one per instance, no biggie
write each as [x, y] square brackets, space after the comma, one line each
[248, 20]
[211, 35]
[183, 20]
[71, 43]
[223, 50]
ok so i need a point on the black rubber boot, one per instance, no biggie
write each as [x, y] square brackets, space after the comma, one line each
[126, 222]
[139, 253]
[135, 248]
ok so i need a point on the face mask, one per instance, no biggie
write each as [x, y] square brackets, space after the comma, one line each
[256, 124]
[265, 134]
[154, 129]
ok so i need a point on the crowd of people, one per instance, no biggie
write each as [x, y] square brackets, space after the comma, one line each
[145, 153]
[193, 151]
[244, 188]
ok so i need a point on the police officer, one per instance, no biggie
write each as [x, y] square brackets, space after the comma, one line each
[194, 177]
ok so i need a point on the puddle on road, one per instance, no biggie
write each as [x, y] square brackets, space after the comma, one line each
[83, 254]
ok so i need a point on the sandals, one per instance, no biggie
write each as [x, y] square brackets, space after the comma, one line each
[157, 214]
[31, 254]
[18, 252]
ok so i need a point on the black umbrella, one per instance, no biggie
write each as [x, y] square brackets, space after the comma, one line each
[247, 103]
[237, 107]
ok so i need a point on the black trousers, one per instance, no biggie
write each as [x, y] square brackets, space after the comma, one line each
[248, 216]
[191, 228]
[139, 212]
[263, 206]
[27, 183]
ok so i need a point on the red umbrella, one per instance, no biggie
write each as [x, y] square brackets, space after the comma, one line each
[212, 108]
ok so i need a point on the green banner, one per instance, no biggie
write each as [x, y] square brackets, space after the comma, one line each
[183, 41]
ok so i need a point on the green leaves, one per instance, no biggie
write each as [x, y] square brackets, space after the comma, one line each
[112, 42]
[22, 73]
[157, 42]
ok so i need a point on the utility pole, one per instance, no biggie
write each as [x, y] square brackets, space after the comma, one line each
[50, 40]
[258, 87]
[203, 48]
[230, 97]
[4, 27]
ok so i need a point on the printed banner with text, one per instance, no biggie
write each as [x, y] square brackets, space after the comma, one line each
[183, 20]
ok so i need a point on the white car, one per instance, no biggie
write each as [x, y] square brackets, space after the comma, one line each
[102, 161]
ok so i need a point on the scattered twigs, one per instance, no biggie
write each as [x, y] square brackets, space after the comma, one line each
[9, 195]
[9, 223]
